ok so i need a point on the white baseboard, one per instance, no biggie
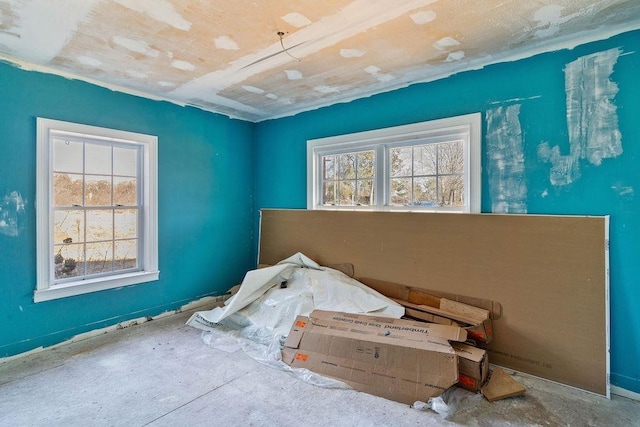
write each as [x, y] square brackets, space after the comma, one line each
[207, 302]
[619, 391]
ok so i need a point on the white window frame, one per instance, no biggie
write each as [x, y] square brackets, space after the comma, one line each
[45, 289]
[467, 128]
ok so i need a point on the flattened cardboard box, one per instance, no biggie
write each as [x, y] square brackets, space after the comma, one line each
[389, 326]
[405, 368]
[481, 332]
[473, 366]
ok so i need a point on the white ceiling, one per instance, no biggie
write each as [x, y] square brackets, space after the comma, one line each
[256, 60]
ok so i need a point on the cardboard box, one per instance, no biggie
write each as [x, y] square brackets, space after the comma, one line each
[388, 326]
[399, 362]
[416, 300]
[473, 366]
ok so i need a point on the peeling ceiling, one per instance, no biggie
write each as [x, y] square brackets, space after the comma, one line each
[256, 60]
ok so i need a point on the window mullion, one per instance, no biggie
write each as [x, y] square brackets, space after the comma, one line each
[382, 176]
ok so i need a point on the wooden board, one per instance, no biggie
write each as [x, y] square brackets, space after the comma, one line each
[549, 273]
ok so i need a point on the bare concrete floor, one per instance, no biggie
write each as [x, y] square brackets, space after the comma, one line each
[161, 373]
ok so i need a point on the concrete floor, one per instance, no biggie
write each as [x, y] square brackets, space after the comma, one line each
[161, 373]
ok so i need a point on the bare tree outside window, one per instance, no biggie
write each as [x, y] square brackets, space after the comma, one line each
[431, 166]
[427, 175]
[348, 179]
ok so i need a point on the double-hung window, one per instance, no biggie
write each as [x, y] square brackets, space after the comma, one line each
[96, 209]
[428, 166]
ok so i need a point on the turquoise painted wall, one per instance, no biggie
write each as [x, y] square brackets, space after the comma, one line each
[205, 206]
[537, 85]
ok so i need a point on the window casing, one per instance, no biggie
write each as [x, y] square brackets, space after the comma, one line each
[430, 166]
[96, 209]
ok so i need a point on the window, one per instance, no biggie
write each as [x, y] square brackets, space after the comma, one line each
[429, 166]
[96, 209]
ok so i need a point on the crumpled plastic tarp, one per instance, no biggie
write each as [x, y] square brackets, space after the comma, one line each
[262, 302]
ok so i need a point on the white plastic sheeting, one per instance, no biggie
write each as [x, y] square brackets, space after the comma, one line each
[262, 302]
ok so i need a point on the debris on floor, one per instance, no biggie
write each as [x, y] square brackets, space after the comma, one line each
[501, 386]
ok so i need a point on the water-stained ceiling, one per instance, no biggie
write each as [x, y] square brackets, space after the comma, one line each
[256, 60]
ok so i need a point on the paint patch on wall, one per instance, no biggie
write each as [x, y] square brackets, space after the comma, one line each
[623, 190]
[226, 43]
[293, 74]
[326, 89]
[296, 19]
[455, 56]
[136, 74]
[89, 61]
[351, 53]
[253, 89]
[183, 65]
[592, 118]
[375, 72]
[11, 213]
[423, 17]
[137, 46]
[446, 42]
[505, 155]
[159, 10]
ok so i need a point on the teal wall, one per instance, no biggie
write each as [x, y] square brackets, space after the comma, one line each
[205, 206]
[537, 85]
[214, 173]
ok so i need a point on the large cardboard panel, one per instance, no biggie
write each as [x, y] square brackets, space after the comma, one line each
[549, 273]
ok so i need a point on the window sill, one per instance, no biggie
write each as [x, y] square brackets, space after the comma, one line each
[94, 285]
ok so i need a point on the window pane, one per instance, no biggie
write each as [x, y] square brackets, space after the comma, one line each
[424, 160]
[424, 192]
[99, 225]
[400, 161]
[328, 167]
[126, 223]
[347, 166]
[97, 159]
[451, 190]
[125, 191]
[400, 191]
[451, 158]
[125, 161]
[366, 164]
[329, 193]
[126, 254]
[97, 190]
[68, 226]
[99, 257]
[67, 156]
[68, 261]
[67, 189]
[346, 193]
[365, 192]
